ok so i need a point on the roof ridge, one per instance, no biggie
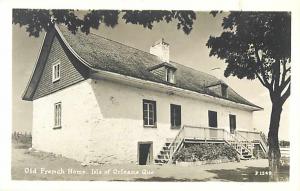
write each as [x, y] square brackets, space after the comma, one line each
[106, 38]
[195, 69]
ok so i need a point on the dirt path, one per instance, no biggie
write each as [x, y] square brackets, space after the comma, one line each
[37, 166]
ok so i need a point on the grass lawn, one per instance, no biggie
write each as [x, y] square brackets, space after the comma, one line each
[45, 166]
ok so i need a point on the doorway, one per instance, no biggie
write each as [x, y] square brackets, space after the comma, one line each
[145, 153]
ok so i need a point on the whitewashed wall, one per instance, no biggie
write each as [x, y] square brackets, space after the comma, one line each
[79, 109]
[103, 120]
[116, 137]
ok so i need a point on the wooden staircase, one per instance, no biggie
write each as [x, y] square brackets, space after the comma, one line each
[190, 134]
[256, 138]
[164, 155]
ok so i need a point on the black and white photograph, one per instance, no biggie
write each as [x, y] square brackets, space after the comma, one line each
[151, 95]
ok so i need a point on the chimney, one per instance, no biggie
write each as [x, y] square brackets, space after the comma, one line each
[161, 49]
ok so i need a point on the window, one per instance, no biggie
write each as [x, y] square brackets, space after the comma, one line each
[56, 72]
[232, 123]
[212, 119]
[224, 88]
[57, 115]
[175, 116]
[170, 76]
[149, 113]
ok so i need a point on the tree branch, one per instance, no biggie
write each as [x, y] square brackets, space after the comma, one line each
[262, 81]
[266, 83]
[284, 72]
[286, 94]
[272, 81]
[284, 84]
[276, 73]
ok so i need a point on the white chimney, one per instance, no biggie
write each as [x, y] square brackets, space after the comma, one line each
[161, 49]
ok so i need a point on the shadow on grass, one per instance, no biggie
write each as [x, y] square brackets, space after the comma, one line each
[249, 174]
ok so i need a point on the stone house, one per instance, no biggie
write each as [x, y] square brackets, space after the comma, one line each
[97, 100]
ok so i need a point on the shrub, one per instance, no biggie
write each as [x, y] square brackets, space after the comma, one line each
[21, 140]
[202, 152]
[258, 153]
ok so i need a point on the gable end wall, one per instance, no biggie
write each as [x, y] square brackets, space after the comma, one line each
[72, 71]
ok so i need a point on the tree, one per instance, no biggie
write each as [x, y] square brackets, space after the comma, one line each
[38, 20]
[258, 45]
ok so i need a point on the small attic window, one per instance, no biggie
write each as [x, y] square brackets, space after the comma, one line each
[224, 88]
[56, 72]
[170, 75]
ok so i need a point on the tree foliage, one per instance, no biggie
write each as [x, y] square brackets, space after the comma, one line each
[38, 20]
[257, 45]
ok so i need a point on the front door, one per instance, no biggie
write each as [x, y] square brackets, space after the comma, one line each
[145, 153]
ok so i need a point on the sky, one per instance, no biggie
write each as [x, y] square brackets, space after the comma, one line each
[189, 50]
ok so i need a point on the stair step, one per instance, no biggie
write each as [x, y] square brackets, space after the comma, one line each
[162, 157]
[165, 152]
[161, 161]
[247, 156]
[166, 148]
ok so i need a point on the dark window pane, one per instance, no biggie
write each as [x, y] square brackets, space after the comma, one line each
[150, 107]
[224, 90]
[232, 123]
[151, 122]
[154, 110]
[175, 115]
[212, 119]
[178, 116]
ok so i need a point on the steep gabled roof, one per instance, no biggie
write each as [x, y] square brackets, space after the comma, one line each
[100, 53]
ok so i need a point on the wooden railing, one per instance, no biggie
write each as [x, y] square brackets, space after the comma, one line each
[173, 147]
[239, 143]
[207, 133]
[254, 136]
[246, 142]
[204, 133]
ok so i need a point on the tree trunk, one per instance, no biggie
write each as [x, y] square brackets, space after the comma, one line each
[274, 151]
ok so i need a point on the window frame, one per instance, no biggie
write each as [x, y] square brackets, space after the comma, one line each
[232, 116]
[170, 78]
[56, 71]
[173, 116]
[224, 90]
[210, 112]
[57, 115]
[154, 115]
